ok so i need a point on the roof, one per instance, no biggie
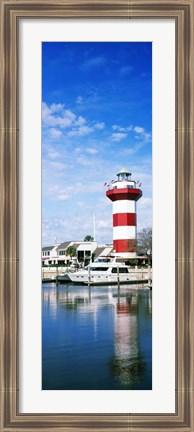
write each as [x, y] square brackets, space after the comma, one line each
[98, 251]
[47, 248]
[63, 245]
[102, 251]
[76, 245]
[123, 170]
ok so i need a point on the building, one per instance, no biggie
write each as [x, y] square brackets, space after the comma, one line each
[124, 194]
[84, 253]
[49, 255]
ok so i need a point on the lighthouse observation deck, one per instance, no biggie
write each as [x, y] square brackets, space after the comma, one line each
[123, 191]
[119, 184]
[123, 188]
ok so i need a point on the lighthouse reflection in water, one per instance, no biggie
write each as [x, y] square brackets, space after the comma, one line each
[96, 338]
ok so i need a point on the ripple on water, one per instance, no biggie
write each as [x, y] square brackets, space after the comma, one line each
[94, 338]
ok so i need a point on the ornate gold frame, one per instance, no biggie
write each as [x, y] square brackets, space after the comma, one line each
[11, 12]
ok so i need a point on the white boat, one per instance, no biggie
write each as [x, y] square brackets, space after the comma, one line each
[64, 277]
[98, 273]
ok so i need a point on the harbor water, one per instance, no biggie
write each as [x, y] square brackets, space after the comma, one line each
[96, 338]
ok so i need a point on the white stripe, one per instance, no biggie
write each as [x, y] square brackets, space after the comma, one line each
[126, 254]
[124, 232]
[123, 184]
[123, 206]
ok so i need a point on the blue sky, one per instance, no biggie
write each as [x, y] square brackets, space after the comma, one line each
[96, 118]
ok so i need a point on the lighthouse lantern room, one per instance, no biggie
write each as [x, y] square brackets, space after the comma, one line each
[124, 194]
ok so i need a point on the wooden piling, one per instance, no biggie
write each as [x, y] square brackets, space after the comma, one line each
[118, 280]
[89, 276]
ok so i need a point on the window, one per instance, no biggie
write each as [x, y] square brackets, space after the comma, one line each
[121, 270]
[80, 255]
[99, 268]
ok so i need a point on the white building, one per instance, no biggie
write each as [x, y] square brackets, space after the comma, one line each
[85, 252]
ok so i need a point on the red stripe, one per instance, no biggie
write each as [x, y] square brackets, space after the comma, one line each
[124, 245]
[124, 219]
[124, 194]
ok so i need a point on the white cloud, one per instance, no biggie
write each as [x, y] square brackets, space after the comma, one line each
[80, 121]
[91, 151]
[77, 150]
[99, 125]
[131, 150]
[79, 100]
[65, 229]
[103, 223]
[48, 114]
[81, 131]
[93, 63]
[56, 107]
[144, 222]
[53, 154]
[122, 129]
[62, 197]
[68, 119]
[84, 161]
[104, 202]
[58, 165]
[55, 133]
[145, 203]
[139, 129]
[55, 118]
[142, 134]
[118, 136]
[64, 119]
[129, 128]
[85, 130]
[115, 127]
[146, 136]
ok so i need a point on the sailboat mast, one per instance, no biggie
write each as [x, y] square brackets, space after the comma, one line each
[94, 226]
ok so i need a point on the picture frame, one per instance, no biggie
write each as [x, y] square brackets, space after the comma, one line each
[11, 12]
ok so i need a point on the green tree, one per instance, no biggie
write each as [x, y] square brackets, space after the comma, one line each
[71, 251]
[144, 241]
[89, 238]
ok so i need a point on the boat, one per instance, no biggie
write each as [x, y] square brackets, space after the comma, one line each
[49, 280]
[63, 277]
[100, 273]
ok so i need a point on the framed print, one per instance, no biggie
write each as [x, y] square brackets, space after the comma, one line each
[65, 195]
[114, 63]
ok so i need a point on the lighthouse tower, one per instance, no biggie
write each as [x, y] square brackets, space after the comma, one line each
[124, 194]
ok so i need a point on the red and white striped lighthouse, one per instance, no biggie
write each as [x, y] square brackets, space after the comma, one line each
[124, 193]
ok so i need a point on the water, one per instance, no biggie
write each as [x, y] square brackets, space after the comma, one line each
[96, 338]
